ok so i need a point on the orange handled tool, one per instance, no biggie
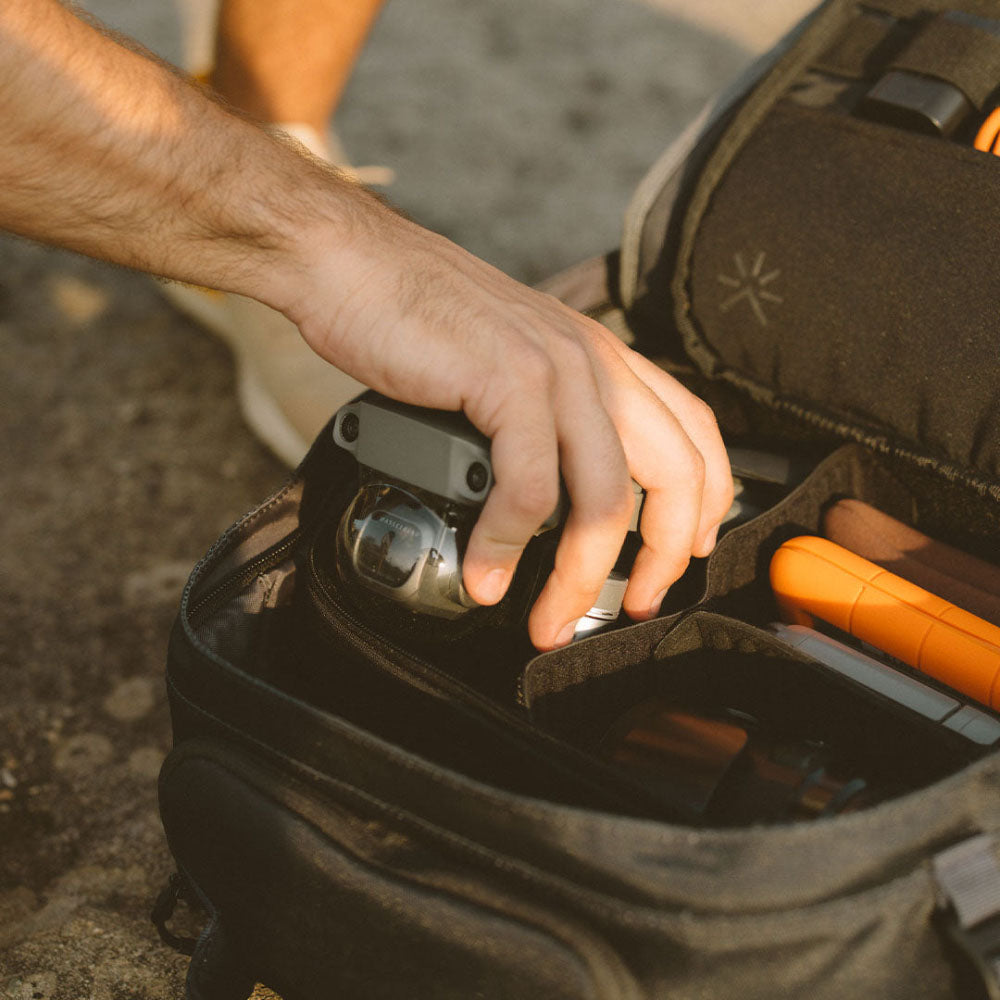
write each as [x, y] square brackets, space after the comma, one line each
[816, 578]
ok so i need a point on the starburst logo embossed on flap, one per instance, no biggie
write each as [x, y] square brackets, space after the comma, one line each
[750, 284]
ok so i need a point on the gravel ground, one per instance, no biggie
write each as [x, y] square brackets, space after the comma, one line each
[517, 129]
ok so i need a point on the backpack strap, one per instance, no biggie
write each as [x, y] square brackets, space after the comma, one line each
[170, 895]
[967, 877]
[217, 971]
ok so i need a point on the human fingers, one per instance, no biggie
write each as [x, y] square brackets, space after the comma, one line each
[666, 463]
[601, 504]
[525, 458]
[698, 422]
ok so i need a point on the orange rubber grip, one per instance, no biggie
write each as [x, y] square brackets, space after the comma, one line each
[814, 577]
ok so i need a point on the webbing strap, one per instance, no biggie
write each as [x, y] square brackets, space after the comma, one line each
[163, 909]
[858, 52]
[968, 882]
[959, 48]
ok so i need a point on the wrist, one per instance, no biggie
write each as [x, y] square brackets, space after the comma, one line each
[308, 229]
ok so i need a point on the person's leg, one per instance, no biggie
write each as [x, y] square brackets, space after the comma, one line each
[289, 60]
[285, 62]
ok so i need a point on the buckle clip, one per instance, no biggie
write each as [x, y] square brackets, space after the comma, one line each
[967, 876]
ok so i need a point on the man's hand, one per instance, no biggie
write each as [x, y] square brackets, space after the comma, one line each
[417, 318]
[110, 153]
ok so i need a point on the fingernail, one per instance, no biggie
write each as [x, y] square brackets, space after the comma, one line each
[654, 608]
[494, 586]
[566, 635]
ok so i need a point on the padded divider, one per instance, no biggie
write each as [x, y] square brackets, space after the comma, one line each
[577, 692]
[734, 572]
[737, 572]
[714, 666]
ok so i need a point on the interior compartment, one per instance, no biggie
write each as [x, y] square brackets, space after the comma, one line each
[468, 702]
[285, 625]
[737, 572]
[722, 656]
[806, 726]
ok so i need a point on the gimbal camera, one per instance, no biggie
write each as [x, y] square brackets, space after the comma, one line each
[424, 476]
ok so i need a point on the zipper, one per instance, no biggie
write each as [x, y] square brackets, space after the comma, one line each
[388, 654]
[241, 577]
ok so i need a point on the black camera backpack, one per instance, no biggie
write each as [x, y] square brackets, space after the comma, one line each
[371, 813]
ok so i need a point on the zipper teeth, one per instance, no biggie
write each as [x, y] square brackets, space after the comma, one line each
[242, 576]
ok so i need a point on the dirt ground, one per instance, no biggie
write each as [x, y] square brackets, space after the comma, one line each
[518, 129]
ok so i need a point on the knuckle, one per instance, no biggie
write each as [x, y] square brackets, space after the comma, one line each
[673, 564]
[572, 366]
[550, 300]
[622, 504]
[535, 368]
[612, 507]
[534, 497]
[573, 358]
[703, 417]
[689, 467]
[580, 591]
[724, 495]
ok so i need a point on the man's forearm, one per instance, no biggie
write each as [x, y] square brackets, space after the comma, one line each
[112, 154]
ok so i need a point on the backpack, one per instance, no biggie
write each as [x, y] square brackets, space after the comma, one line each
[380, 812]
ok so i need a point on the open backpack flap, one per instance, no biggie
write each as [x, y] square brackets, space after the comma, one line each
[838, 268]
[372, 807]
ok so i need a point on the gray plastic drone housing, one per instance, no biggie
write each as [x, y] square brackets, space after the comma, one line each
[434, 450]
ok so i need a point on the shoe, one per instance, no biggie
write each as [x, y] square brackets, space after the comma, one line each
[330, 148]
[286, 392]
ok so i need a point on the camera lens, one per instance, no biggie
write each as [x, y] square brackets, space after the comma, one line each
[391, 541]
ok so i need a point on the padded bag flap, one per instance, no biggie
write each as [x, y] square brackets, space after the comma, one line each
[850, 269]
[838, 269]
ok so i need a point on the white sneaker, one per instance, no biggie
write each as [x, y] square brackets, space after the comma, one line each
[286, 391]
[330, 148]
